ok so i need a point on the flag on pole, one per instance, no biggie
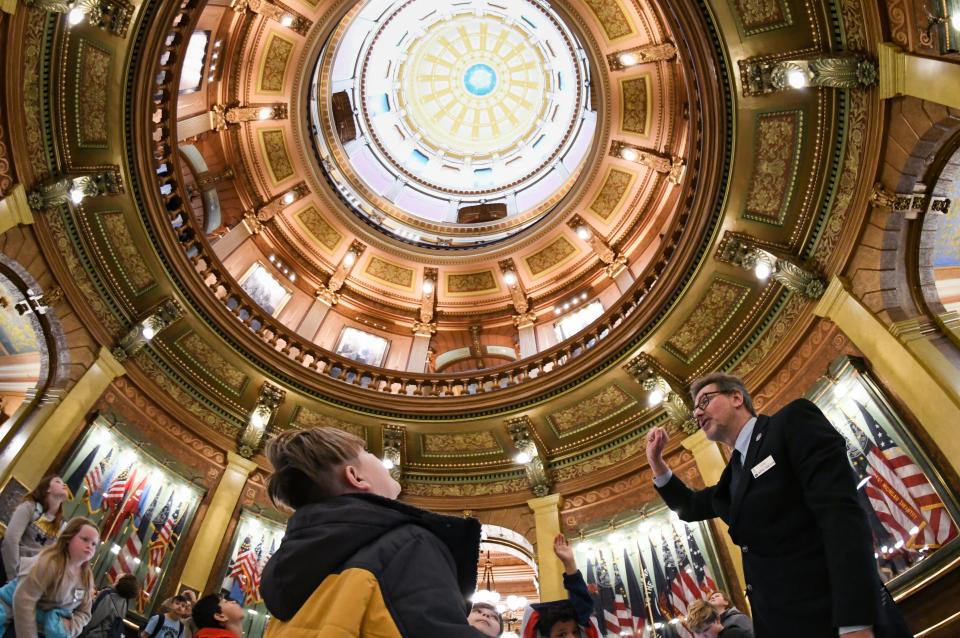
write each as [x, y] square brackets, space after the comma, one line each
[244, 568]
[610, 624]
[131, 504]
[594, 590]
[129, 557]
[706, 582]
[690, 589]
[114, 496]
[162, 532]
[882, 535]
[77, 478]
[98, 478]
[939, 527]
[638, 597]
[621, 603]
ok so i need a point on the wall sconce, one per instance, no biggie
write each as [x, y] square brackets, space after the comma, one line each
[739, 251]
[142, 332]
[528, 456]
[663, 390]
[67, 189]
[393, 437]
[761, 76]
[253, 434]
[947, 23]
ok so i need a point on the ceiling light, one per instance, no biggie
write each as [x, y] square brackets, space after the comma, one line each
[510, 277]
[286, 20]
[628, 59]
[566, 306]
[629, 154]
[272, 258]
[266, 113]
[796, 78]
[289, 198]
[583, 232]
[583, 296]
[293, 276]
[75, 16]
[427, 286]
[762, 270]
[522, 458]
[148, 332]
[76, 195]
[615, 538]
[656, 397]
[349, 259]
[557, 311]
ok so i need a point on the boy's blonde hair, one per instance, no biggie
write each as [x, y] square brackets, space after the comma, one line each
[305, 464]
[700, 615]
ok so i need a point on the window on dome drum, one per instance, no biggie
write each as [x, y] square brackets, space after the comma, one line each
[362, 347]
[195, 61]
[912, 513]
[265, 289]
[577, 320]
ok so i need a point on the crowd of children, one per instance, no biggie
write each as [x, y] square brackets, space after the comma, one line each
[354, 562]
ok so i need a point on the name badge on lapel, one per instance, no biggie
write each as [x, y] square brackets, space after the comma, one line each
[762, 466]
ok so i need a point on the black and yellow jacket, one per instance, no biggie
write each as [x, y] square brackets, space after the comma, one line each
[361, 565]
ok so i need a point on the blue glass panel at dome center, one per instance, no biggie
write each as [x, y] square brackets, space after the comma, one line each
[480, 79]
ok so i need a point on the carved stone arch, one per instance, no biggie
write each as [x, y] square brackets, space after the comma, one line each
[883, 272]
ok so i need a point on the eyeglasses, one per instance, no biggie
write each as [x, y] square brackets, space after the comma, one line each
[706, 398]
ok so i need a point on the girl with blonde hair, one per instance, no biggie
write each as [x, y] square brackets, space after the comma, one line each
[60, 583]
[34, 524]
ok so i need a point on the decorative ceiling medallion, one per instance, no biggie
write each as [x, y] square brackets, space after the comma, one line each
[612, 193]
[586, 413]
[778, 141]
[471, 283]
[707, 319]
[553, 256]
[317, 227]
[274, 69]
[463, 122]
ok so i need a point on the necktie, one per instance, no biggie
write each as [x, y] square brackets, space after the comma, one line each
[736, 469]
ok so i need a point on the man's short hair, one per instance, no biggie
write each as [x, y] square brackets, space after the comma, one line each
[724, 383]
[205, 611]
[700, 615]
[490, 607]
[550, 615]
[305, 463]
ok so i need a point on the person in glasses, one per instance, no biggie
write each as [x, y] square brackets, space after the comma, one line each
[789, 497]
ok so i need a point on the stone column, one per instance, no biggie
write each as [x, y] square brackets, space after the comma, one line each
[213, 527]
[14, 209]
[710, 463]
[546, 517]
[232, 240]
[931, 79]
[314, 317]
[527, 339]
[193, 126]
[32, 451]
[417, 361]
[921, 377]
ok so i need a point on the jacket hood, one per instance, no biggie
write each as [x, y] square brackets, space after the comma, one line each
[323, 536]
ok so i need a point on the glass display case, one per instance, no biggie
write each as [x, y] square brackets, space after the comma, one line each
[644, 573]
[912, 514]
[141, 507]
[254, 541]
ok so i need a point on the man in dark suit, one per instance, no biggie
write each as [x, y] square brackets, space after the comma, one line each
[789, 498]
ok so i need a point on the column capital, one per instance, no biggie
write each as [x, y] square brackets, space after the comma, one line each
[110, 364]
[838, 290]
[524, 320]
[423, 328]
[240, 464]
[548, 503]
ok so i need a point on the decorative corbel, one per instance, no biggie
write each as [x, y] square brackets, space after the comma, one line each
[508, 269]
[613, 261]
[663, 389]
[349, 260]
[73, 189]
[428, 299]
[270, 210]
[286, 18]
[140, 334]
[252, 436]
[670, 165]
[393, 437]
[113, 16]
[646, 54]
[223, 116]
[528, 455]
[741, 251]
[763, 76]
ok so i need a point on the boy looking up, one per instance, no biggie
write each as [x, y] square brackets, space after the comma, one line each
[354, 561]
[569, 618]
[217, 617]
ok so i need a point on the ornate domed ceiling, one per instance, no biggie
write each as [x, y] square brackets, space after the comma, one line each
[461, 230]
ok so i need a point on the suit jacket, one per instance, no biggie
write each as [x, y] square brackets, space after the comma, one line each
[807, 548]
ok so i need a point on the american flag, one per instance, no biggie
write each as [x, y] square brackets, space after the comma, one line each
[162, 533]
[707, 584]
[621, 603]
[638, 597]
[686, 576]
[610, 623]
[663, 610]
[95, 478]
[678, 596]
[128, 558]
[939, 527]
[129, 506]
[244, 568]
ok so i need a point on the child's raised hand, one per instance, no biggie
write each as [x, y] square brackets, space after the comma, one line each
[564, 552]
